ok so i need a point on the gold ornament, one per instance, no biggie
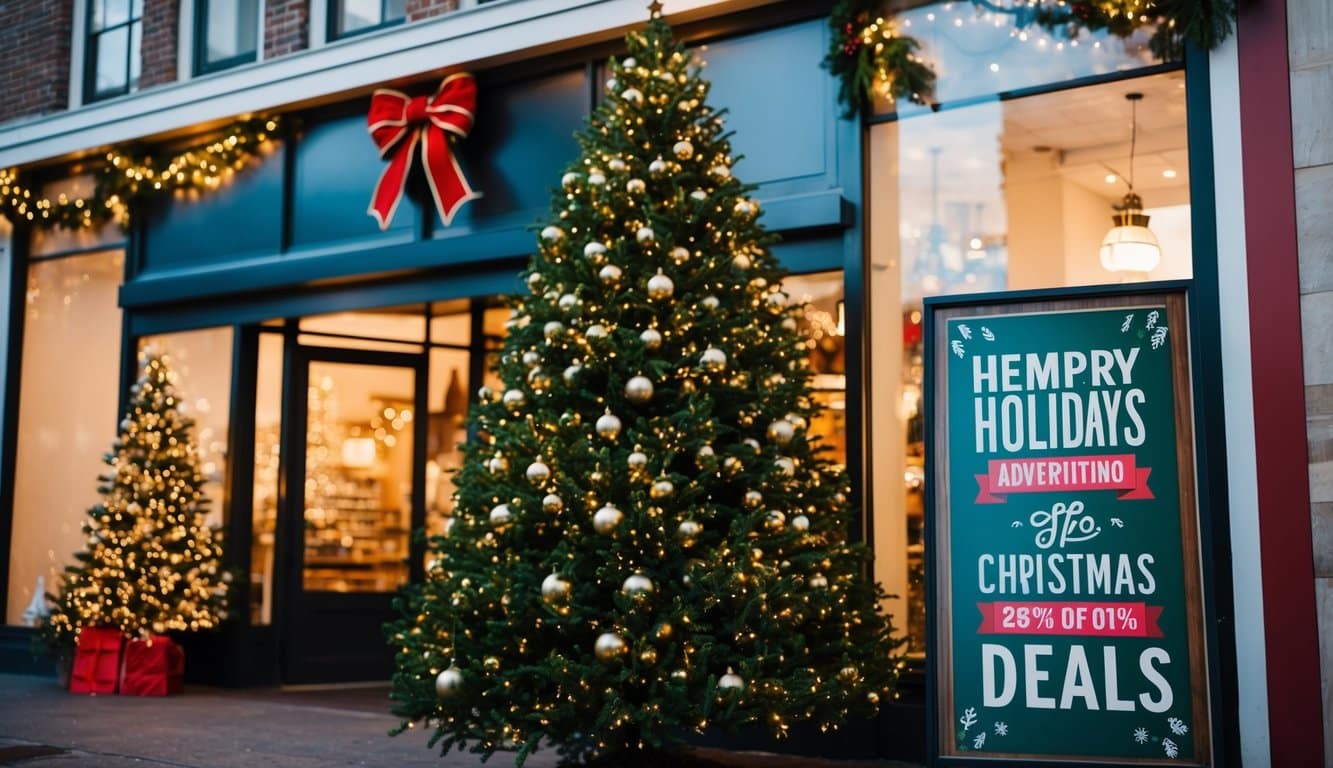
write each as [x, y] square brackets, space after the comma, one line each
[538, 473]
[610, 274]
[680, 255]
[683, 150]
[490, 664]
[713, 359]
[637, 460]
[731, 464]
[639, 390]
[607, 519]
[539, 380]
[552, 504]
[818, 581]
[448, 682]
[797, 420]
[555, 590]
[514, 399]
[744, 208]
[753, 499]
[608, 426]
[651, 339]
[609, 646]
[663, 631]
[848, 674]
[775, 520]
[660, 287]
[781, 431]
[679, 675]
[637, 586]
[501, 516]
[662, 489]
[648, 656]
[635, 186]
[872, 697]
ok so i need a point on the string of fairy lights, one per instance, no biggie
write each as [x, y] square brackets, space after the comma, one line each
[122, 179]
[874, 57]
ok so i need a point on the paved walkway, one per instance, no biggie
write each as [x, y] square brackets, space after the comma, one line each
[42, 726]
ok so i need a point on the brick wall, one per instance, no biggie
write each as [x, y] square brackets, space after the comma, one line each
[424, 9]
[35, 39]
[286, 27]
[161, 28]
[1310, 43]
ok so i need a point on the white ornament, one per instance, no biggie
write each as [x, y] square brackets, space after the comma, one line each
[572, 373]
[637, 585]
[730, 681]
[553, 233]
[680, 254]
[639, 390]
[569, 179]
[610, 274]
[710, 302]
[776, 299]
[713, 359]
[684, 150]
[786, 466]
[531, 358]
[637, 460]
[501, 516]
[645, 235]
[800, 523]
[609, 646]
[741, 261]
[660, 286]
[593, 250]
[612, 84]
[720, 171]
[608, 426]
[744, 208]
[448, 682]
[629, 63]
[699, 195]
[552, 504]
[616, 164]
[553, 329]
[607, 519]
[555, 589]
[635, 186]
[596, 331]
[568, 301]
[781, 431]
[513, 399]
[818, 581]
[632, 96]
[651, 338]
[538, 473]
[596, 179]
[657, 167]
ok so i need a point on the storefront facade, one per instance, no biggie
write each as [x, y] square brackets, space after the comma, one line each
[329, 363]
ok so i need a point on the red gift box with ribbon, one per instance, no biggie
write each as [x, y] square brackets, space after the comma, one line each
[96, 661]
[153, 667]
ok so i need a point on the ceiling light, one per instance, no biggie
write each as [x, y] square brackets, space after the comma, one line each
[1130, 246]
[1110, 178]
[1169, 173]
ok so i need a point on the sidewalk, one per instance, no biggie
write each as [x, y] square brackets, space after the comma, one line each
[42, 726]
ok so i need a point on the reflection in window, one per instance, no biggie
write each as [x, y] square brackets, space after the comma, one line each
[350, 16]
[1007, 194]
[264, 515]
[825, 328]
[201, 361]
[67, 416]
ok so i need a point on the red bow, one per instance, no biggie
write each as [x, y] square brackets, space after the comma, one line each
[398, 123]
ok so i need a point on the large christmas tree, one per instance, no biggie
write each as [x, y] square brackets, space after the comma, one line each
[152, 563]
[647, 540]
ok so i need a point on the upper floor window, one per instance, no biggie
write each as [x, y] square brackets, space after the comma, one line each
[114, 32]
[227, 33]
[352, 16]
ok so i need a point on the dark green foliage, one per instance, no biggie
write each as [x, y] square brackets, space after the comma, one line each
[866, 55]
[767, 588]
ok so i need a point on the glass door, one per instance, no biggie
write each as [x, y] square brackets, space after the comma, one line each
[353, 498]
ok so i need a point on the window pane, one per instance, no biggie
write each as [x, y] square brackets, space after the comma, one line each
[264, 515]
[358, 14]
[136, 61]
[67, 414]
[396, 324]
[1001, 195]
[827, 344]
[447, 431]
[232, 26]
[395, 9]
[112, 49]
[114, 12]
[136, 9]
[201, 361]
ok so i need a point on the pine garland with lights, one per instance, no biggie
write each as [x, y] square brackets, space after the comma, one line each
[151, 563]
[647, 540]
[124, 179]
[870, 56]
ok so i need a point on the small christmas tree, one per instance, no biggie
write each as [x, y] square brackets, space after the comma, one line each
[151, 562]
[647, 540]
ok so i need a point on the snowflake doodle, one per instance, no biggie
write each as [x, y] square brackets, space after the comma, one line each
[1001, 728]
[1158, 337]
[979, 741]
[964, 331]
[1170, 748]
[957, 347]
[987, 334]
[968, 719]
[1117, 522]
[1152, 319]
[1128, 320]
[1177, 726]
[1141, 735]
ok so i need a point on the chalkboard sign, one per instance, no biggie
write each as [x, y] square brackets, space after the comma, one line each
[1064, 524]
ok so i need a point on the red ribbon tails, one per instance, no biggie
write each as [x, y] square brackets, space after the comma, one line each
[399, 124]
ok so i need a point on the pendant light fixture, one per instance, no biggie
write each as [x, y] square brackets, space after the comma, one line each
[1130, 246]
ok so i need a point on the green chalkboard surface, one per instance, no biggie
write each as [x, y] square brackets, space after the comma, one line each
[1067, 576]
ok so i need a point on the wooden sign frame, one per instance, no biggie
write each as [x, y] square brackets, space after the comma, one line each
[943, 749]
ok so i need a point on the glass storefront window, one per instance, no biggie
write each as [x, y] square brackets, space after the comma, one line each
[997, 195]
[825, 327]
[68, 406]
[264, 509]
